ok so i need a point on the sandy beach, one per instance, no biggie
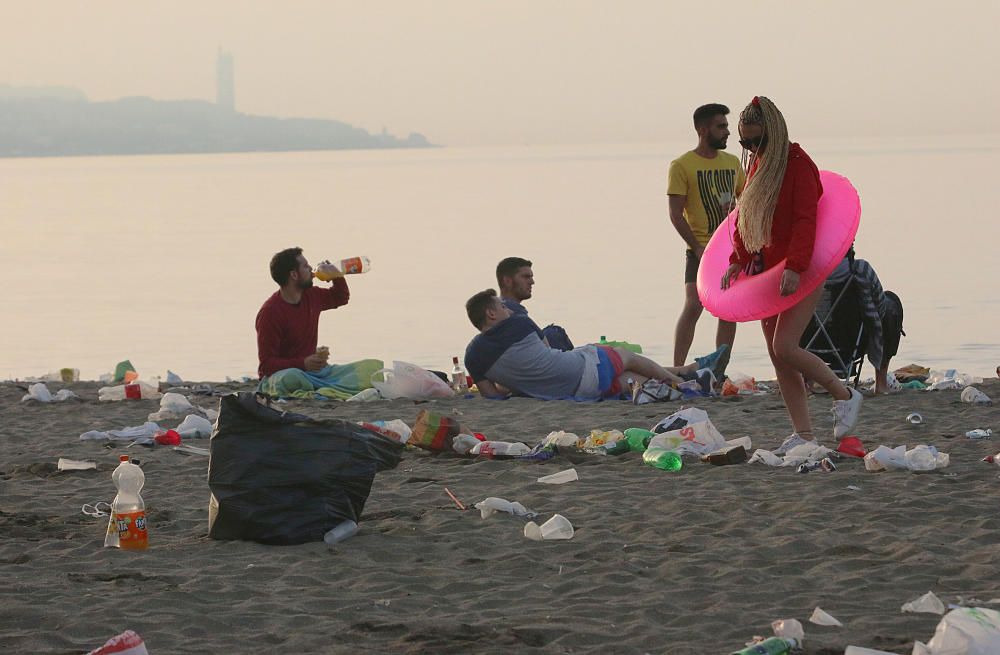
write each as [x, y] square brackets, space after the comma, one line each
[696, 561]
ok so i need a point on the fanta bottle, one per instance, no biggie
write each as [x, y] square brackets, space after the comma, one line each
[127, 529]
[351, 266]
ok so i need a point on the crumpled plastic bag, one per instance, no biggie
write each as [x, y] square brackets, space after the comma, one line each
[406, 380]
[598, 438]
[698, 438]
[41, 393]
[918, 458]
[174, 406]
[141, 433]
[765, 457]
[194, 426]
[490, 506]
[805, 453]
[950, 379]
[974, 396]
[964, 631]
[561, 439]
[680, 419]
[789, 629]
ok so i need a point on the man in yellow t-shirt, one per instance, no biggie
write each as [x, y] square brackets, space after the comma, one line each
[702, 187]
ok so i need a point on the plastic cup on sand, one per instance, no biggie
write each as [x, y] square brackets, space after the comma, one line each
[562, 477]
[557, 527]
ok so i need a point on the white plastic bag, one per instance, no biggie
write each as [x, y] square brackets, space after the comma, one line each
[173, 406]
[699, 438]
[405, 380]
[492, 505]
[966, 631]
[679, 419]
[194, 426]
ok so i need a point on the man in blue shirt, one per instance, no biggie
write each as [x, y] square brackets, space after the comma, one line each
[515, 279]
[509, 356]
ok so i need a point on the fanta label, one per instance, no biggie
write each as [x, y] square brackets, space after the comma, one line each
[132, 533]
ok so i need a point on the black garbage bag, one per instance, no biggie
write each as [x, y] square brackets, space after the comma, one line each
[283, 478]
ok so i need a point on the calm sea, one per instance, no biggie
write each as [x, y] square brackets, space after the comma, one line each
[163, 259]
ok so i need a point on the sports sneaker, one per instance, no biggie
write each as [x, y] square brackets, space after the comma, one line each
[845, 414]
[789, 443]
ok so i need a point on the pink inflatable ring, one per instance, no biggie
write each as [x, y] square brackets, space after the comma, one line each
[754, 297]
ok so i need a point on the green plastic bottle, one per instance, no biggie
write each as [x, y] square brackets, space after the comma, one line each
[619, 447]
[638, 439]
[772, 646]
[666, 460]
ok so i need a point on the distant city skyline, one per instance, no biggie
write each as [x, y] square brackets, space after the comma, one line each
[555, 71]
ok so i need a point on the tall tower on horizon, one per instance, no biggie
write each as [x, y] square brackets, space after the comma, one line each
[225, 86]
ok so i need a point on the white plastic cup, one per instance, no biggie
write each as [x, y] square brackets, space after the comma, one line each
[344, 530]
[562, 477]
[557, 527]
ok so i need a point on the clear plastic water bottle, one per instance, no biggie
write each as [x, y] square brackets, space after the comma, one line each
[499, 449]
[772, 646]
[666, 460]
[459, 382]
[127, 527]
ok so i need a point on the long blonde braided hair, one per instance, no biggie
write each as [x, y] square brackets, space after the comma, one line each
[760, 197]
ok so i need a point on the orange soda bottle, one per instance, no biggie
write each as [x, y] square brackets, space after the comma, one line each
[351, 266]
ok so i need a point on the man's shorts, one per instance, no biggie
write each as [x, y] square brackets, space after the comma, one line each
[609, 368]
[892, 326]
[602, 368]
[691, 267]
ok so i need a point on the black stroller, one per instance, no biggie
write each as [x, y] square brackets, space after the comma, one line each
[837, 332]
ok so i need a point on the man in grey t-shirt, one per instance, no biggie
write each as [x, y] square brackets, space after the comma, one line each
[508, 355]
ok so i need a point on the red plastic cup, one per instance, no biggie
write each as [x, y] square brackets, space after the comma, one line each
[851, 446]
[133, 391]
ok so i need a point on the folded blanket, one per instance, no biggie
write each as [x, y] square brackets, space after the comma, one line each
[337, 381]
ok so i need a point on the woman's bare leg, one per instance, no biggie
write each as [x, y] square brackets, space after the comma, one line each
[785, 345]
[791, 384]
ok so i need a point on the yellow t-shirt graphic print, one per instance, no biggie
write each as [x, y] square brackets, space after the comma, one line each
[711, 187]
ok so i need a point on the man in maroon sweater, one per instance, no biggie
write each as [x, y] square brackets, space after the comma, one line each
[288, 321]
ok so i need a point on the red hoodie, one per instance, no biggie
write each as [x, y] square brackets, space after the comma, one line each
[287, 334]
[793, 232]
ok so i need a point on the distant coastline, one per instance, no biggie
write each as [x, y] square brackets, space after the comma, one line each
[56, 122]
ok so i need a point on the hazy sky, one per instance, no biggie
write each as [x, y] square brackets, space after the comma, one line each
[467, 73]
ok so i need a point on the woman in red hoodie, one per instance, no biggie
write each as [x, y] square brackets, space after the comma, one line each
[776, 226]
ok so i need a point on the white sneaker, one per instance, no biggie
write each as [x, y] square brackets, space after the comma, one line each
[845, 414]
[789, 443]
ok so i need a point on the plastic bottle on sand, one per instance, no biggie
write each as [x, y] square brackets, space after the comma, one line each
[666, 460]
[127, 527]
[458, 380]
[139, 390]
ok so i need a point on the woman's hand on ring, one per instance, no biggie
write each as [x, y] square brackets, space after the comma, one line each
[730, 276]
[789, 282]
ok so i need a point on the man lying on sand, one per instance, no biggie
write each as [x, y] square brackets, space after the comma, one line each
[509, 356]
[288, 330]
